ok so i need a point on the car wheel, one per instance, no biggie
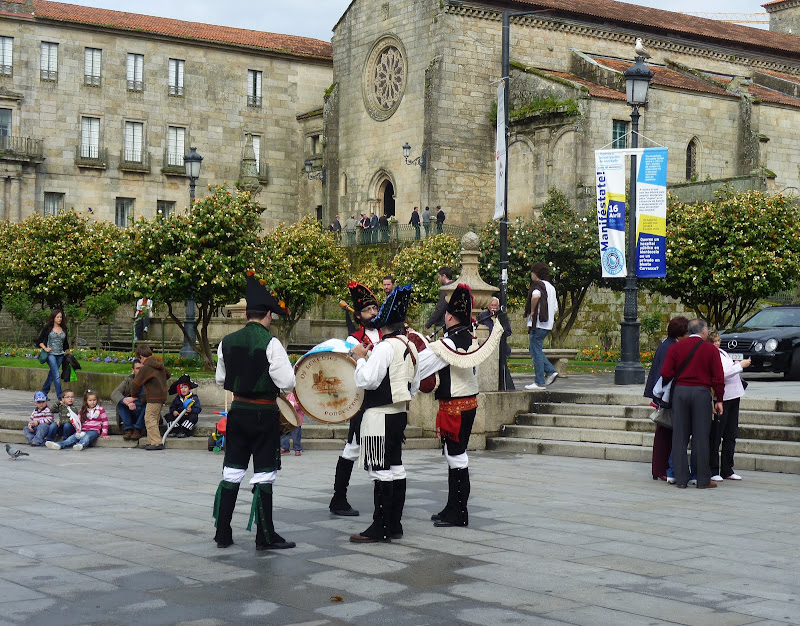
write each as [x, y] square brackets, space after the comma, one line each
[793, 373]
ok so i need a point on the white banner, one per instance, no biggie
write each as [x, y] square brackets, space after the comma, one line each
[500, 155]
[610, 178]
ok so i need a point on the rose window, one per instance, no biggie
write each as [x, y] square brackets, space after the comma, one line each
[389, 78]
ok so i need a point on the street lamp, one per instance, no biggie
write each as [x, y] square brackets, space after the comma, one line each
[320, 175]
[420, 160]
[191, 163]
[629, 370]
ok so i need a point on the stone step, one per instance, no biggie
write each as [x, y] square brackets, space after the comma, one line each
[603, 403]
[593, 435]
[746, 431]
[744, 461]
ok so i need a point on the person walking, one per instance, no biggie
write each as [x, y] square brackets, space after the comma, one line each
[540, 310]
[53, 340]
[153, 378]
[254, 366]
[440, 217]
[426, 220]
[414, 221]
[694, 366]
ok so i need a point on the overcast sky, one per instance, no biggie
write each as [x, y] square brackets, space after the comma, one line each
[316, 18]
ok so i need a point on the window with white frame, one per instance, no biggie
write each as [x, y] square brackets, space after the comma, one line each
[91, 66]
[135, 68]
[176, 145]
[257, 149]
[48, 63]
[5, 122]
[133, 142]
[53, 203]
[90, 137]
[253, 88]
[165, 208]
[175, 77]
[123, 214]
[6, 55]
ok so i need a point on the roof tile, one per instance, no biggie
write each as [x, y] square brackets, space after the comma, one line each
[595, 90]
[288, 44]
[665, 77]
[765, 94]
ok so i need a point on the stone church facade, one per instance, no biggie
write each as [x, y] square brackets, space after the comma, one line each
[725, 100]
[98, 107]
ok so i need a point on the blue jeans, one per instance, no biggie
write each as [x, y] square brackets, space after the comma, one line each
[541, 364]
[54, 376]
[131, 419]
[43, 432]
[88, 439]
[67, 430]
[295, 437]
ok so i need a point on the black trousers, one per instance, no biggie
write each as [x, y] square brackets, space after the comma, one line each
[255, 433]
[454, 448]
[726, 431]
[692, 411]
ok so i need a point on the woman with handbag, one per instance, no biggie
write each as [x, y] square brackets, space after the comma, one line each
[677, 329]
[725, 428]
[53, 342]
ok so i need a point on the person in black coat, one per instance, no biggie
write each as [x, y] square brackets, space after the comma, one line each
[53, 339]
[485, 319]
[445, 276]
[184, 399]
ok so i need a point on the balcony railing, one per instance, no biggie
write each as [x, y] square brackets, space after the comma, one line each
[394, 233]
[176, 90]
[21, 147]
[134, 161]
[5, 70]
[253, 101]
[90, 80]
[49, 75]
[135, 85]
[173, 165]
[91, 156]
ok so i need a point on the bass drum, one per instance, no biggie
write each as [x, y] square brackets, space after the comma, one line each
[289, 419]
[428, 384]
[325, 384]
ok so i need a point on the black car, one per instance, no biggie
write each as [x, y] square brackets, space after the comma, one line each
[771, 339]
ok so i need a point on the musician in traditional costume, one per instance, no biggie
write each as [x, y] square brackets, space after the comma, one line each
[254, 366]
[390, 378]
[457, 393]
[365, 308]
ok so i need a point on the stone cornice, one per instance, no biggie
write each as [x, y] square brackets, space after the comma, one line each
[787, 4]
[628, 38]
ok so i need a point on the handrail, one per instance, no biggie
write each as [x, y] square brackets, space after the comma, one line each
[394, 233]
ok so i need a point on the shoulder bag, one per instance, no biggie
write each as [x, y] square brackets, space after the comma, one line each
[663, 414]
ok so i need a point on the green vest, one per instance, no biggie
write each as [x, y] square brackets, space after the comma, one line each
[246, 364]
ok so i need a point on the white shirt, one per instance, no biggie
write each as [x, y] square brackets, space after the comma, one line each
[371, 372]
[552, 307]
[280, 368]
[141, 305]
[430, 362]
[733, 382]
[373, 334]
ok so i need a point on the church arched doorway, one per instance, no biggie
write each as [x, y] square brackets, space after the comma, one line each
[387, 198]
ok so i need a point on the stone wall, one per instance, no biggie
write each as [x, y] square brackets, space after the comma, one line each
[213, 109]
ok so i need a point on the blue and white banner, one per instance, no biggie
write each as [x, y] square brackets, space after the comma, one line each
[651, 211]
[610, 173]
[500, 154]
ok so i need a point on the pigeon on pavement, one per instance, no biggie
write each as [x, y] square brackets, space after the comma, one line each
[14, 453]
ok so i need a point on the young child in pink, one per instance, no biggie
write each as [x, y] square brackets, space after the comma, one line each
[93, 424]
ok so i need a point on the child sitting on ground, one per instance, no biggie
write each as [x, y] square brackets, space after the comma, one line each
[40, 426]
[65, 415]
[93, 424]
[184, 399]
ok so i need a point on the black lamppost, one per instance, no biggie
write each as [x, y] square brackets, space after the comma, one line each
[420, 160]
[320, 175]
[629, 370]
[191, 163]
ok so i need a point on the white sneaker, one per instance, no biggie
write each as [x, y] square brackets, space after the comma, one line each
[733, 477]
[534, 387]
[693, 481]
[78, 447]
[670, 480]
[716, 478]
[549, 379]
[52, 445]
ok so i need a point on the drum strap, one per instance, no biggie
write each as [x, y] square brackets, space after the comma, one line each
[408, 349]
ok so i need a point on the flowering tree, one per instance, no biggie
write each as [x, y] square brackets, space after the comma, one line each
[560, 237]
[204, 255]
[418, 265]
[301, 262]
[725, 255]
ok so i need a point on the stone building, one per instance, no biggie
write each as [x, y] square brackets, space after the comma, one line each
[98, 107]
[725, 100]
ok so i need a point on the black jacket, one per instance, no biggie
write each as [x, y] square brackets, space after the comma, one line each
[45, 332]
[69, 363]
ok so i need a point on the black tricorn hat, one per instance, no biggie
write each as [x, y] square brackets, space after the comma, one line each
[460, 304]
[362, 296]
[259, 299]
[183, 380]
[394, 308]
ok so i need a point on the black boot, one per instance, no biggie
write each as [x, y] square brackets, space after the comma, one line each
[398, 501]
[451, 491]
[458, 515]
[261, 510]
[379, 529]
[339, 504]
[224, 503]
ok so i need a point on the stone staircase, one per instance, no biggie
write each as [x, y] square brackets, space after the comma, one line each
[583, 426]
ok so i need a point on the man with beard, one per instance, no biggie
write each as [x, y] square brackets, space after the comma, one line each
[365, 307]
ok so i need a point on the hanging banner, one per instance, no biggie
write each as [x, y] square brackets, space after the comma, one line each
[500, 155]
[651, 213]
[610, 178]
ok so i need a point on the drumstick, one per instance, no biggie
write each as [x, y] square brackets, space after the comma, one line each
[344, 305]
